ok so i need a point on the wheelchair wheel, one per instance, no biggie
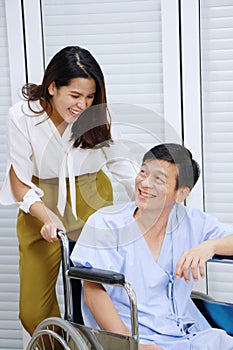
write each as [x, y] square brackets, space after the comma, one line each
[56, 334]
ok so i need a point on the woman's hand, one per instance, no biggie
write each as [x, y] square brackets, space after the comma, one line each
[51, 221]
[49, 232]
[38, 209]
[49, 229]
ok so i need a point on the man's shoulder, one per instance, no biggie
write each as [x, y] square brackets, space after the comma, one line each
[116, 212]
[190, 210]
[191, 215]
[196, 217]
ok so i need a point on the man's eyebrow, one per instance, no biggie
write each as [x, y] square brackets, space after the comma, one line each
[161, 172]
[158, 170]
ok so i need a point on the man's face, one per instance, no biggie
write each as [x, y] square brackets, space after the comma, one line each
[156, 185]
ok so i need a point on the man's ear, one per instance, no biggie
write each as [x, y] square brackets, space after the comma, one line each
[182, 194]
[51, 88]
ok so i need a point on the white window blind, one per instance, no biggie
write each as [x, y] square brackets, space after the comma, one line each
[217, 96]
[216, 27]
[10, 328]
[125, 37]
[220, 283]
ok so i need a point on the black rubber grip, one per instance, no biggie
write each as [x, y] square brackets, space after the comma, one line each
[97, 275]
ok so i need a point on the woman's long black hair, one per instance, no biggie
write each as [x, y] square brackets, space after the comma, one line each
[92, 127]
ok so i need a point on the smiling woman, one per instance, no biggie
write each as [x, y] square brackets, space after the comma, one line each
[54, 173]
[74, 98]
[69, 101]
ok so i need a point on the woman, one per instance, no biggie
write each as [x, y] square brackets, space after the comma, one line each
[59, 139]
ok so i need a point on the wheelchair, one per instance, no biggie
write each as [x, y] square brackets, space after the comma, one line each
[71, 334]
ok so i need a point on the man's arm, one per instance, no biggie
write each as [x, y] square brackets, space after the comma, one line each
[102, 308]
[194, 259]
[105, 313]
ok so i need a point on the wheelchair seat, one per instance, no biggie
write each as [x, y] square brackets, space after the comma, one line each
[218, 314]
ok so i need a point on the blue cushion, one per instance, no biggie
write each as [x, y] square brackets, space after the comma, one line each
[221, 313]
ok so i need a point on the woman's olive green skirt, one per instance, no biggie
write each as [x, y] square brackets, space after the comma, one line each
[39, 259]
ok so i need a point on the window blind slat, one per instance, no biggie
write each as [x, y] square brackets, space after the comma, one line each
[217, 86]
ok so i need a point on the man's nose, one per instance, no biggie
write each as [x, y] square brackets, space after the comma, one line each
[146, 181]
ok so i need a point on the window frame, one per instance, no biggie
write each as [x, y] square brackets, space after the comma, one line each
[181, 64]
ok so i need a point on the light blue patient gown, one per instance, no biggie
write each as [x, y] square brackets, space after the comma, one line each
[167, 317]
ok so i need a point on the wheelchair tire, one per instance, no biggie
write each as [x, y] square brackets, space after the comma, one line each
[56, 333]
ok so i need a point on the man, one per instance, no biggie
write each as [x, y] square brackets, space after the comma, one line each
[161, 247]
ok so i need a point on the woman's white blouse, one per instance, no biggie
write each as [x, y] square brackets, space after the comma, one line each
[35, 147]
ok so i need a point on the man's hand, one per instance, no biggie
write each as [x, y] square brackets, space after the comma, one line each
[193, 261]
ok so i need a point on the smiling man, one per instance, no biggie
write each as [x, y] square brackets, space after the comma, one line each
[161, 247]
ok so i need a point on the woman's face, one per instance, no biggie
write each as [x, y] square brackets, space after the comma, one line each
[69, 101]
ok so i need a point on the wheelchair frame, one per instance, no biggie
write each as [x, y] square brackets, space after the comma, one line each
[64, 334]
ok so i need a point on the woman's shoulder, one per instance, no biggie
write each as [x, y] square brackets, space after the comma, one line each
[16, 110]
[21, 110]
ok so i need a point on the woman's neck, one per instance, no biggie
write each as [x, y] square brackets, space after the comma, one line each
[57, 120]
[60, 124]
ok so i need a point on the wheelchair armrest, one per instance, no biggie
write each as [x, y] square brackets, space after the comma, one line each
[97, 275]
[196, 295]
[111, 278]
[222, 257]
